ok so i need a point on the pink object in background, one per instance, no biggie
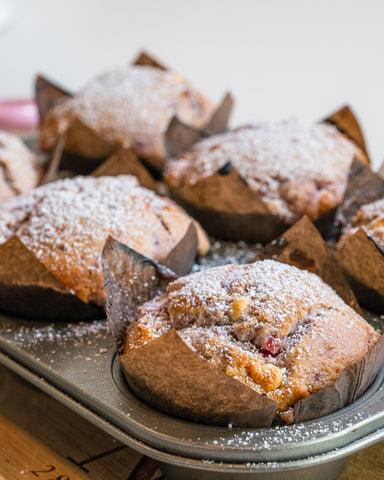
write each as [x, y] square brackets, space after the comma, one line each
[18, 115]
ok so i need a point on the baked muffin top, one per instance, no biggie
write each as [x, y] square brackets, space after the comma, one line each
[280, 330]
[132, 106]
[19, 169]
[296, 168]
[65, 225]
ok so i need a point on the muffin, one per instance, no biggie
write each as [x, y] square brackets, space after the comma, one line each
[280, 331]
[253, 183]
[19, 169]
[129, 106]
[64, 224]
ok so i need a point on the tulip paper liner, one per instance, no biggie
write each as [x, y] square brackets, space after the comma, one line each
[303, 247]
[47, 95]
[362, 260]
[28, 289]
[168, 375]
[125, 162]
[84, 149]
[346, 122]
[224, 203]
[228, 209]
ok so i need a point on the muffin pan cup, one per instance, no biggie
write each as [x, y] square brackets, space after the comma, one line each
[181, 383]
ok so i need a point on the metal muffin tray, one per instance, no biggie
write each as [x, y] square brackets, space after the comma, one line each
[76, 363]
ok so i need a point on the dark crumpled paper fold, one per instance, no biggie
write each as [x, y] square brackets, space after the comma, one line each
[47, 95]
[171, 377]
[363, 263]
[28, 289]
[179, 137]
[303, 247]
[228, 209]
[125, 268]
[181, 258]
[247, 218]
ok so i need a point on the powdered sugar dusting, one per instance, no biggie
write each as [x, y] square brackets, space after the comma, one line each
[133, 105]
[296, 168]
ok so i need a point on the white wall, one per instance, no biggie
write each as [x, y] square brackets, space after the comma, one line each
[280, 58]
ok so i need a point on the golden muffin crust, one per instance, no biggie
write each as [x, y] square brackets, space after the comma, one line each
[131, 106]
[19, 169]
[294, 168]
[280, 330]
[65, 224]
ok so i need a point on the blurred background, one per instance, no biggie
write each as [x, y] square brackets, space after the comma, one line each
[279, 58]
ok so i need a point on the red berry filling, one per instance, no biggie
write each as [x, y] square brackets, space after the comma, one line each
[271, 346]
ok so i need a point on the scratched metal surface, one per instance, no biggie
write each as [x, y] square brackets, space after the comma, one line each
[78, 361]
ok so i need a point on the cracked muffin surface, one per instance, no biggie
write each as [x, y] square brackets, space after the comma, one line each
[280, 330]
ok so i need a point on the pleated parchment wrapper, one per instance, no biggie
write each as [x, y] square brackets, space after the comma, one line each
[225, 205]
[82, 149]
[171, 377]
[29, 290]
[361, 258]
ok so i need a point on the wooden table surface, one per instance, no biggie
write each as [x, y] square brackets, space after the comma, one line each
[42, 439]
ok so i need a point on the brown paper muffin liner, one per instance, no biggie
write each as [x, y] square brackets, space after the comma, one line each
[360, 257]
[211, 200]
[28, 289]
[362, 260]
[125, 162]
[83, 149]
[303, 247]
[47, 95]
[168, 375]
